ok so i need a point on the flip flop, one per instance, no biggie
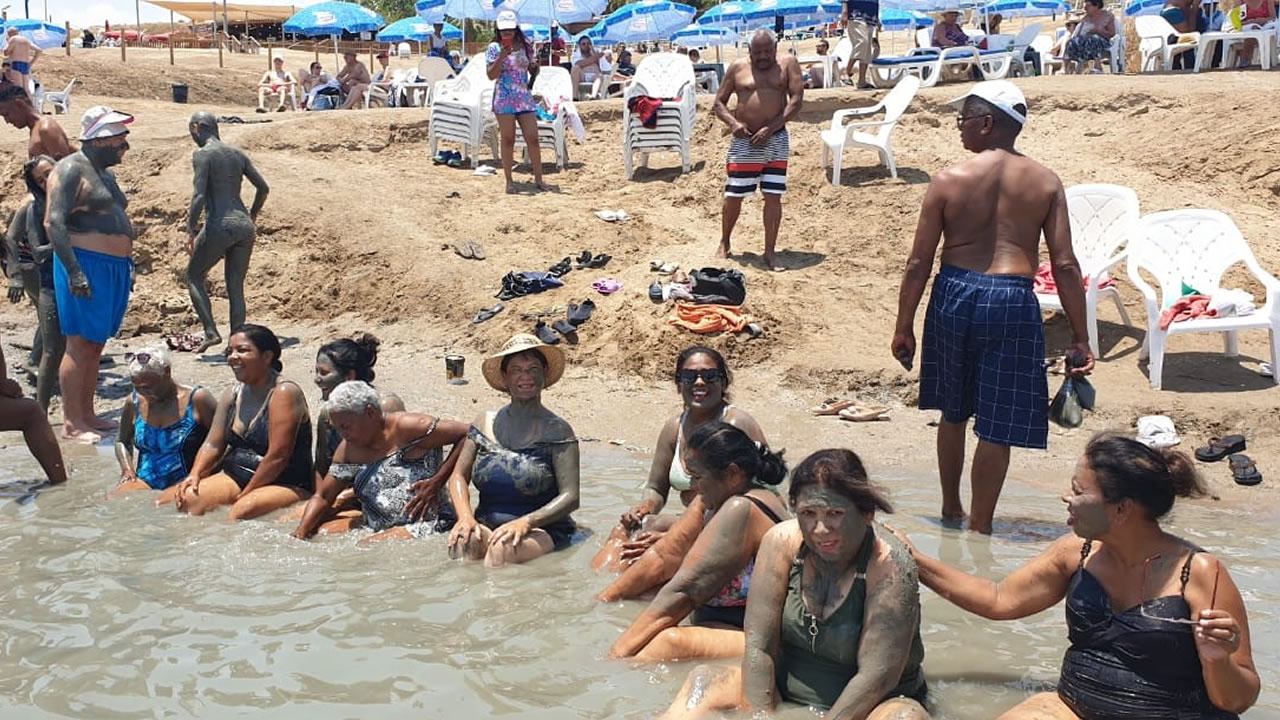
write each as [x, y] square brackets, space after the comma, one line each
[463, 250]
[1219, 448]
[477, 250]
[579, 314]
[606, 286]
[569, 331]
[666, 268]
[864, 414]
[538, 313]
[581, 261]
[1244, 470]
[486, 314]
[600, 260]
[545, 334]
[832, 406]
[560, 269]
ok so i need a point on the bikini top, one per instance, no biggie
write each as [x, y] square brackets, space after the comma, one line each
[677, 476]
[734, 594]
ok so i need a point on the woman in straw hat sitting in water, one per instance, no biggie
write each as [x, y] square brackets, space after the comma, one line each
[523, 459]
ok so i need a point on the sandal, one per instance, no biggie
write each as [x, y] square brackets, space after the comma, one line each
[1244, 470]
[1219, 448]
[864, 414]
[832, 406]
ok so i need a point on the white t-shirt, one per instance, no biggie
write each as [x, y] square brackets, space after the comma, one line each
[604, 60]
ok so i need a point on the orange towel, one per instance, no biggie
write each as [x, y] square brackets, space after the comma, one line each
[709, 318]
[1187, 307]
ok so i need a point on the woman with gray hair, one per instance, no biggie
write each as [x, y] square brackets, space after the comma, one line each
[164, 422]
[393, 462]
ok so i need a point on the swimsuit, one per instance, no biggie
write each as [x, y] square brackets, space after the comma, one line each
[511, 94]
[96, 318]
[1126, 665]
[514, 483]
[729, 605]
[165, 454]
[383, 488]
[983, 354]
[245, 452]
[22, 67]
[764, 165]
[676, 476]
[817, 658]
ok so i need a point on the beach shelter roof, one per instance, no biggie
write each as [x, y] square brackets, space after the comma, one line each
[199, 12]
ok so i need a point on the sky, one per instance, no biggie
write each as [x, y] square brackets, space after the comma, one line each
[81, 13]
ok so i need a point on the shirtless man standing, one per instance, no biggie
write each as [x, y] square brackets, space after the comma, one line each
[47, 136]
[93, 264]
[228, 231]
[22, 55]
[769, 94]
[983, 349]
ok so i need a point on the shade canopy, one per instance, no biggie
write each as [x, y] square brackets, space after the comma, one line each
[199, 12]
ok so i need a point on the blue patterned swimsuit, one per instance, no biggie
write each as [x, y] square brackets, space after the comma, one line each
[514, 483]
[165, 454]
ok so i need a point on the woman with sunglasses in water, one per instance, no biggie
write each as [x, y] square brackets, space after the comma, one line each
[702, 379]
[1157, 626]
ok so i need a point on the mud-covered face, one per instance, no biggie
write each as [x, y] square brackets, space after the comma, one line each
[1088, 512]
[358, 428]
[154, 386]
[328, 376]
[525, 376]
[830, 523]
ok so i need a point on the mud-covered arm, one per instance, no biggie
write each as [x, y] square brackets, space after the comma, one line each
[199, 191]
[460, 482]
[260, 187]
[215, 443]
[1026, 591]
[124, 442]
[17, 229]
[321, 503]
[720, 552]
[659, 563]
[565, 459]
[37, 239]
[891, 620]
[287, 410]
[64, 184]
[763, 620]
[322, 456]
[658, 486]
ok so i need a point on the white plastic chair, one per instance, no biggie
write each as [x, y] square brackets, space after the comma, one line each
[1266, 39]
[556, 85]
[1155, 51]
[462, 110]
[431, 70]
[61, 101]
[840, 134]
[1116, 59]
[1017, 49]
[1043, 44]
[668, 76]
[1196, 247]
[1103, 217]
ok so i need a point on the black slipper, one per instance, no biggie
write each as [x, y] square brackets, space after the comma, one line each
[579, 314]
[599, 261]
[570, 332]
[1244, 470]
[545, 334]
[583, 260]
[1219, 448]
[560, 269]
[486, 314]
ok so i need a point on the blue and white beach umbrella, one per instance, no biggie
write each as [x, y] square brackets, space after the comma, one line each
[891, 19]
[542, 33]
[1025, 8]
[643, 21]
[920, 6]
[1144, 7]
[43, 35]
[732, 15]
[794, 13]
[545, 12]
[704, 36]
[333, 18]
[471, 9]
[430, 10]
[415, 29]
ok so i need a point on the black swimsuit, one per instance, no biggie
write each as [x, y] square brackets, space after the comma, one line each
[245, 452]
[1125, 666]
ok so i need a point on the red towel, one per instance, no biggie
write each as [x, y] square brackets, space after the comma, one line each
[1046, 285]
[1187, 307]
[647, 108]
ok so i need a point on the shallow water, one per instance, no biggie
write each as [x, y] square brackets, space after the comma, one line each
[118, 610]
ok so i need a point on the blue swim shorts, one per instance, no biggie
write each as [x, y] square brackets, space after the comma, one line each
[983, 355]
[96, 318]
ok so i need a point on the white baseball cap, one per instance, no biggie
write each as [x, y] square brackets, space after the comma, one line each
[999, 93]
[507, 20]
[101, 121]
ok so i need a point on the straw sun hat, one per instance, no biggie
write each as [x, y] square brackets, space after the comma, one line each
[520, 342]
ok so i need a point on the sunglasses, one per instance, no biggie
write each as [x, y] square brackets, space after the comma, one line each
[1142, 593]
[962, 119]
[690, 377]
[142, 358]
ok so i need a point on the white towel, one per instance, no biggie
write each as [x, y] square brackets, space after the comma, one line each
[1232, 303]
[1157, 431]
[571, 117]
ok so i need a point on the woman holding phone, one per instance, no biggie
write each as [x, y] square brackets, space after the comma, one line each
[510, 63]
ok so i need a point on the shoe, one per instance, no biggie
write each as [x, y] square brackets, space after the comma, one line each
[600, 260]
[261, 110]
[545, 334]
[583, 260]
[579, 314]
[487, 313]
[569, 331]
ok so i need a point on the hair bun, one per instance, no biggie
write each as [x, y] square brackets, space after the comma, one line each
[369, 345]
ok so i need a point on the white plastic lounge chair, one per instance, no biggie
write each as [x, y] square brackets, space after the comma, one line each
[554, 84]
[1196, 248]
[840, 134]
[1017, 49]
[1230, 40]
[1102, 219]
[431, 70]
[930, 63]
[668, 76]
[1043, 44]
[61, 101]
[462, 111]
[1155, 51]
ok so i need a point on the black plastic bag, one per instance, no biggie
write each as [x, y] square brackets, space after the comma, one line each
[1085, 392]
[1065, 408]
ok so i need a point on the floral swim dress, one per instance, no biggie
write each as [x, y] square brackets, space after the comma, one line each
[511, 94]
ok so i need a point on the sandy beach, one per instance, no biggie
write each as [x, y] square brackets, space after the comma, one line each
[357, 232]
